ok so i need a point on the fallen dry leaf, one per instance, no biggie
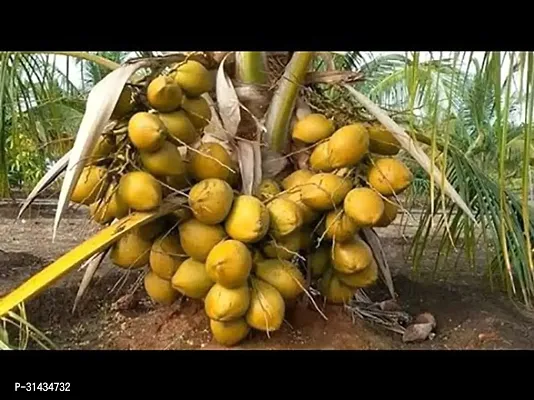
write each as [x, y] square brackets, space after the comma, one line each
[389, 305]
[426, 318]
[417, 332]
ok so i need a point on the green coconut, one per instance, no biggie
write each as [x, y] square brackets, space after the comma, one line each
[319, 261]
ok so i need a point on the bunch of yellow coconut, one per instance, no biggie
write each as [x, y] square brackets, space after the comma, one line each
[245, 256]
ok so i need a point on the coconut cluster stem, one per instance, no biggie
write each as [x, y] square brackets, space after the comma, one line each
[281, 109]
[251, 67]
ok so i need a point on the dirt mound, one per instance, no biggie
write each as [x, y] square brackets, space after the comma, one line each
[16, 267]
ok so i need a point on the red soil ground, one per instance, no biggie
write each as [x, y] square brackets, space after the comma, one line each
[468, 314]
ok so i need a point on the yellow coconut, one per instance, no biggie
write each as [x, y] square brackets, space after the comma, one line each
[389, 176]
[229, 333]
[320, 158]
[283, 248]
[295, 195]
[191, 279]
[339, 226]
[296, 178]
[351, 256]
[125, 104]
[164, 94]
[111, 206]
[160, 290]
[198, 111]
[146, 131]
[197, 239]
[313, 128]
[334, 290]
[211, 160]
[211, 200]
[283, 275]
[223, 304]
[364, 206]
[382, 141]
[166, 161]
[229, 263]
[324, 191]
[361, 279]
[267, 307]
[285, 217]
[179, 126]
[90, 185]
[390, 213]
[267, 189]
[166, 255]
[348, 145]
[248, 220]
[194, 78]
[140, 191]
[319, 261]
[131, 251]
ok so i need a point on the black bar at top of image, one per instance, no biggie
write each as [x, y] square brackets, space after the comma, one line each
[363, 34]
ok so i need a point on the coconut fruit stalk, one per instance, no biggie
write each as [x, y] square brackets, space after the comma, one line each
[282, 106]
[251, 67]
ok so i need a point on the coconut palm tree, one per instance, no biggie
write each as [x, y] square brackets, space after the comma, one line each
[471, 118]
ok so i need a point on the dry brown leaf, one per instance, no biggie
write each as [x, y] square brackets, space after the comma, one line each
[272, 163]
[373, 240]
[258, 166]
[333, 77]
[51, 175]
[227, 101]
[417, 332]
[215, 126]
[100, 105]
[92, 265]
[245, 155]
[426, 318]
